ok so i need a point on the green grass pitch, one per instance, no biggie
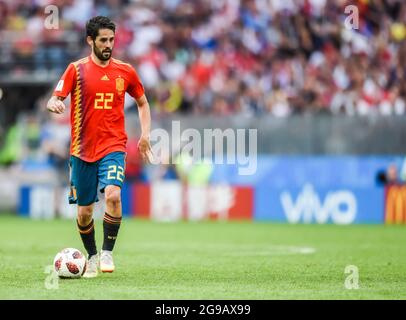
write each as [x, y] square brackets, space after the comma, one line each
[210, 260]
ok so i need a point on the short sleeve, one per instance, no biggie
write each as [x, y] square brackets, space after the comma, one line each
[135, 87]
[65, 84]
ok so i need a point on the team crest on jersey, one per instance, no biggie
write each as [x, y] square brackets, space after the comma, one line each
[120, 85]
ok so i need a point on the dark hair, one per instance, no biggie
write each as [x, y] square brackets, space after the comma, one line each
[95, 24]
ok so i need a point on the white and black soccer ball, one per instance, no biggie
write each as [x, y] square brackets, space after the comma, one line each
[70, 263]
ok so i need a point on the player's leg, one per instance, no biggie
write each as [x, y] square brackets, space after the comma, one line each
[112, 216]
[84, 193]
[85, 225]
[111, 177]
[111, 226]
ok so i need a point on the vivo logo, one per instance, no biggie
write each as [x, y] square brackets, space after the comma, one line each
[340, 206]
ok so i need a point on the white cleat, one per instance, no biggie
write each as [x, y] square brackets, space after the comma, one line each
[106, 261]
[92, 266]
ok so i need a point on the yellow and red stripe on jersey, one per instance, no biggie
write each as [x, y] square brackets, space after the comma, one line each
[77, 111]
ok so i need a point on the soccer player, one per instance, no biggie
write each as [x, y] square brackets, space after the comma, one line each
[97, 85]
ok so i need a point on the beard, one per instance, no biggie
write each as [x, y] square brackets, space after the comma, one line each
[102, 55]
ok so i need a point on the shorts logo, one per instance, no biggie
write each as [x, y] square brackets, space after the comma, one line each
[120, 85]
[73, 193]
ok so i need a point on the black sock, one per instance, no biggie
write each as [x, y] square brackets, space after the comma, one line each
[87, 235]
[110, 227]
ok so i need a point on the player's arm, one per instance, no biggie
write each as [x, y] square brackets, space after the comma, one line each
[56, 105]
[144, 113]
[62, 90]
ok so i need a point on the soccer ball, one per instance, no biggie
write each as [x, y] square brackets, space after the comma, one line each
[70, 263]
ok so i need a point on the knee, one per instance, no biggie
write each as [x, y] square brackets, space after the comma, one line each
[85, 215]
[113, 197]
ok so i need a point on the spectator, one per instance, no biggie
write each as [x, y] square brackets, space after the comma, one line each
[389, 176]
[233, 56]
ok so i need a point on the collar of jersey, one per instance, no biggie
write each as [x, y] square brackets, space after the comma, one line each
[97, 65]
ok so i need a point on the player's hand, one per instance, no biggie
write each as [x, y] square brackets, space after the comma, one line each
[55, 105]
[144, 147]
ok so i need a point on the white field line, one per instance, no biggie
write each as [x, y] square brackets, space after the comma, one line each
[231, 249]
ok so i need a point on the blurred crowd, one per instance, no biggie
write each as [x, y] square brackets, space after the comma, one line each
[224, 57]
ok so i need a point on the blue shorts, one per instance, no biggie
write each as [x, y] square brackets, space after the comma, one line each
[86, 177]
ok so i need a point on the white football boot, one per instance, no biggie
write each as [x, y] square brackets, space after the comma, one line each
[92, 267]
[106, 261]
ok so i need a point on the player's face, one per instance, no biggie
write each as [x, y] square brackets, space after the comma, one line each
[103, 45]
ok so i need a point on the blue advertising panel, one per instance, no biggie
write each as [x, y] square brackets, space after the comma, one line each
[126, 199]
[315, 189]
[310, 204]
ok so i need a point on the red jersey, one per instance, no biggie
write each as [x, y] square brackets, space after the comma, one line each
[97, 105]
